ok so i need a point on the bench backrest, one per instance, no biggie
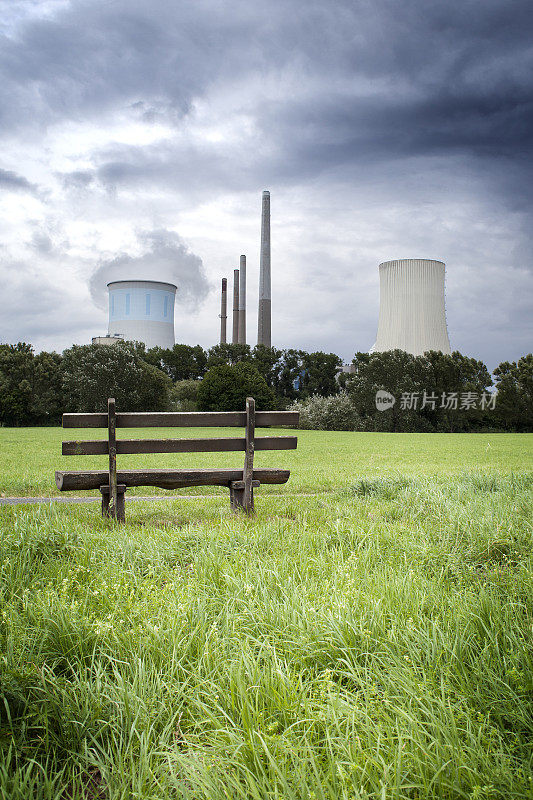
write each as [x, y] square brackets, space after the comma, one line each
[249, 420]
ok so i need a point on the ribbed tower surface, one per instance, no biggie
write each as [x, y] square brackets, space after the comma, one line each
[412, 313]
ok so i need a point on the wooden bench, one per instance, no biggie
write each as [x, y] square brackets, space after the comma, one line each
[113, 482]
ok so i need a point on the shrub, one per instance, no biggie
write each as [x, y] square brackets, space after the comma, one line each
[335, 413]
[184, 396]
[92, 373]
[225, 388]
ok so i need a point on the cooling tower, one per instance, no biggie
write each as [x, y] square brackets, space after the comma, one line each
[143, 311]
[412, 315]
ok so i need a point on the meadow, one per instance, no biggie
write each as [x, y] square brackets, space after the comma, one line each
[324, 460]
[367, 635]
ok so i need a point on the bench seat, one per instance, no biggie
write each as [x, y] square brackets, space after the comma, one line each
[72, 480]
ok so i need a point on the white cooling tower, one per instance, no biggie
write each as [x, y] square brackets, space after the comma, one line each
[143, 311]
[412, 314]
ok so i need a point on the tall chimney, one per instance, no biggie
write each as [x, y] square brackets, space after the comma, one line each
[264, 335]
[242, 301]
[235, 337]
[223, 310]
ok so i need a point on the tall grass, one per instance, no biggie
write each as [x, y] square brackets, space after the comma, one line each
[375, 643]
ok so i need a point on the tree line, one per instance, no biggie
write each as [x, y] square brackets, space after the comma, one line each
[35, 389]
[433, 392]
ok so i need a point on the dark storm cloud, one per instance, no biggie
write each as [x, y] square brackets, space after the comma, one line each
[411, 102]
[436, 77]
[13, 182]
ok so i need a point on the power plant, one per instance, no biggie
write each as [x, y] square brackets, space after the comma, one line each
[412, 314]
[142, 311]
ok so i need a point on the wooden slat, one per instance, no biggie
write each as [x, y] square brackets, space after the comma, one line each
[67, 481]
[99, 447]
[240, 485]
[182, 419]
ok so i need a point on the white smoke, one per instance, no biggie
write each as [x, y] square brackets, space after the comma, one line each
[166, 257]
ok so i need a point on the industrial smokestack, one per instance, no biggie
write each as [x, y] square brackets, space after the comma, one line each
[412, 313]
[235, 337]
[264, 335]
[223, 310]
[242, 301]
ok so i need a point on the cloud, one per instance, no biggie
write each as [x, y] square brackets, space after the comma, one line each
[165, 257]
[382, 129]
[13, 182]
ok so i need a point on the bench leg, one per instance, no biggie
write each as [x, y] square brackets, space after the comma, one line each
[104, 491]
[118, 513]
[236, 496]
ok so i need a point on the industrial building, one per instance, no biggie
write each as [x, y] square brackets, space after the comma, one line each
[412, 314]
[142, 311]
[107, 339]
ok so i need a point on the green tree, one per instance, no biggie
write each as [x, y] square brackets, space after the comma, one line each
[226, 387]
[398, 373]
[16, 370]
[184, 396]
[228, 354]
[154, 389]
[290, 372]
[46, 388]
[320, 373]
[183, 362]
[514, 399]
[267, 361]
[92, 373]
[458, 374]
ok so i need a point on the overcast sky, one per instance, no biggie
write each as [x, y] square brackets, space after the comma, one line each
[142, 133]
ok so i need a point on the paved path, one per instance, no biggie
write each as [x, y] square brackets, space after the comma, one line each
[20, 501]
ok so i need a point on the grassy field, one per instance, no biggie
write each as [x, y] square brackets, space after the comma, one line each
[371, 641]
[323, 460]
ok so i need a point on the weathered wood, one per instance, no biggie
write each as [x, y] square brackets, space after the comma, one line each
[236, 498]
[240, 484]
[182, 419]
[215, 445]
[164, 478]
[112, 446]
[113, 483]
[248, 471]
[120, 515]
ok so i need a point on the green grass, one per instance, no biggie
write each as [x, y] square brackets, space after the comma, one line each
[372, 641]
[323, 460]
